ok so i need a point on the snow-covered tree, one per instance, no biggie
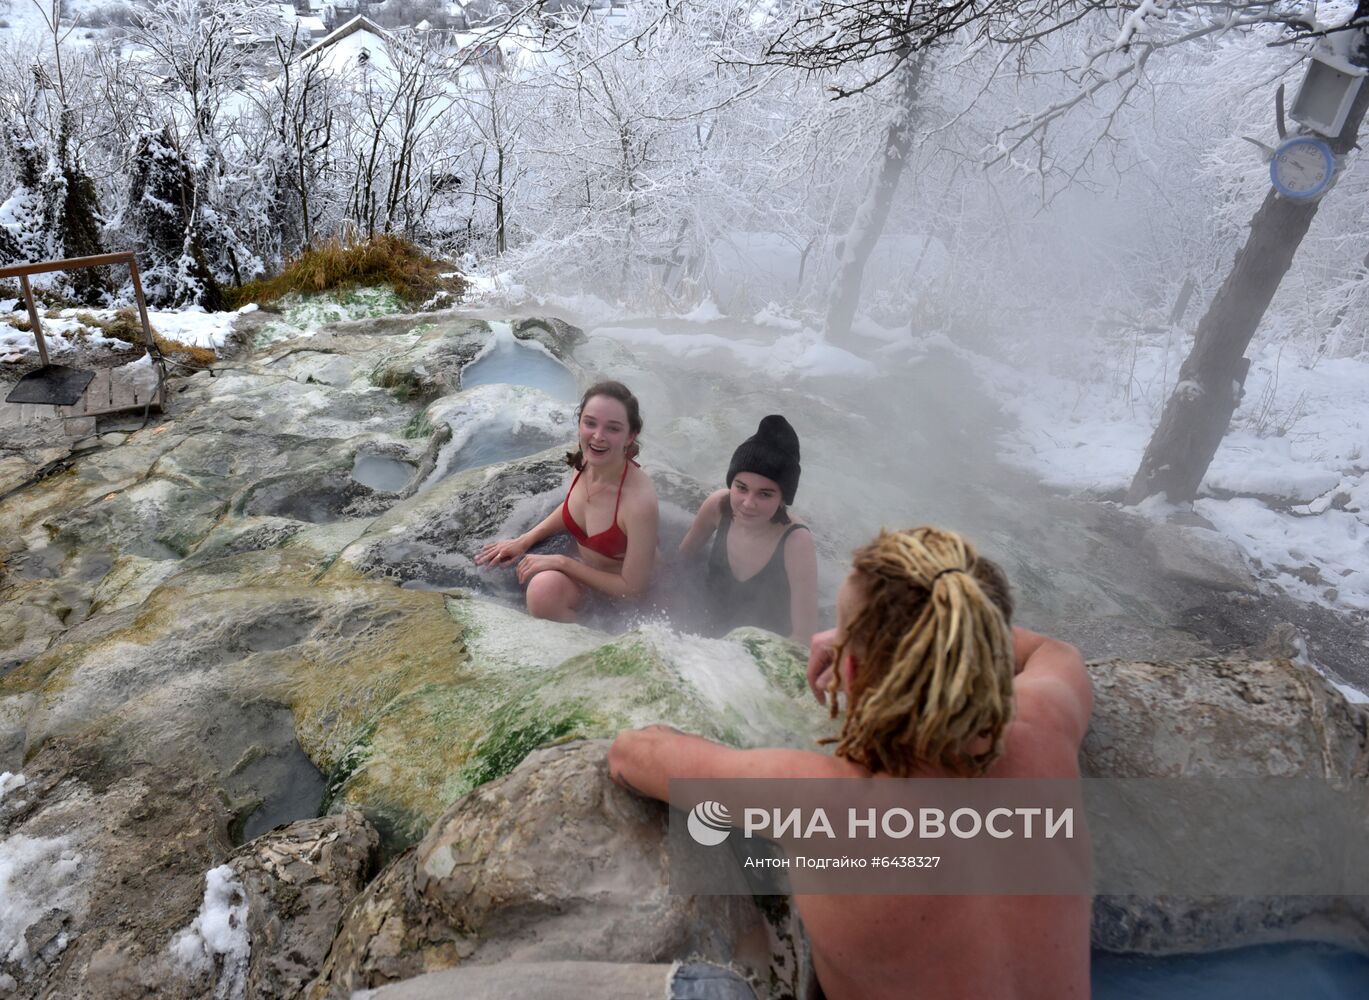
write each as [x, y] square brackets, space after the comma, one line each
[162, 198]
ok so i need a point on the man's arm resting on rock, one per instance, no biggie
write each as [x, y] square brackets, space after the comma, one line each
[645, 760]
[1052, 679]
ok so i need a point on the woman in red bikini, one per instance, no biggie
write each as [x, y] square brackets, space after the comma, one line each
[610, 510]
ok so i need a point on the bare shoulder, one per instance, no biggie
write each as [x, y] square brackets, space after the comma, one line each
[639, 489]
[711, 510]
[1052, 691]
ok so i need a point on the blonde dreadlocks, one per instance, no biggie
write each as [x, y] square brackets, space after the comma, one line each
[934, 653]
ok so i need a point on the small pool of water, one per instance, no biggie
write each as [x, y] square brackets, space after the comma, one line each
[510, 362]
[386, 475]
[1269, 972]
[292, 788]
[495, 441]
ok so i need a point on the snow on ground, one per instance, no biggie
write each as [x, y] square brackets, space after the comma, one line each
[68, 330]
[62, 333]
[219, 931]
[36, 874]
[706, 311]
[1290, 483]
[195, 327]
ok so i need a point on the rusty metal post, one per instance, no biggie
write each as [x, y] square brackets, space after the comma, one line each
[33, 317]
[142, 303]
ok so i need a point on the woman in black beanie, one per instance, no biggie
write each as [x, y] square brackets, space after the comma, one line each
[762, 568]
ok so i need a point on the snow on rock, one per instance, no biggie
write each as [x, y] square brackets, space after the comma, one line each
[217, 937]
[1199, 555]
[9, 783]
[37, 875]
[1353, 695]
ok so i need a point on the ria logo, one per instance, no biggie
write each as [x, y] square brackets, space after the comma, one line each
[709, 823]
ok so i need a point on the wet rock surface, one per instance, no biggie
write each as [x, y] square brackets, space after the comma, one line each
[552, 863]
[297, 881]
[1231, 718]
[118, 857]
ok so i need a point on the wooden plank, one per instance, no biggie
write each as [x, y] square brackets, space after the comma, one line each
[47, 266]
[33, 319]
[142, 304]
[109, 394]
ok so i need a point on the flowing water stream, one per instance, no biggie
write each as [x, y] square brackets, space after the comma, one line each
[510, 361]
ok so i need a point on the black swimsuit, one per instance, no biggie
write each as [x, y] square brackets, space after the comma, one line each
[761, 600]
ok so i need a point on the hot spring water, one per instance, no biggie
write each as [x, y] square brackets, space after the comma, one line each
[512, 362]
[505, 434]
[386, 475]
[1268, 972]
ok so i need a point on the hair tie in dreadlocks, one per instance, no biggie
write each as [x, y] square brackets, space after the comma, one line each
[934, 669]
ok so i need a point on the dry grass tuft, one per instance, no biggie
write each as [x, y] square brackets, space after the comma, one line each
[186, 354]
[124, 326]
[385, 260]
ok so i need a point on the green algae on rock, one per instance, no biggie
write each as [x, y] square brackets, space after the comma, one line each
[515, 690]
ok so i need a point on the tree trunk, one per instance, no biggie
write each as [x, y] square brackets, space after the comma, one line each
[1198, 411]
[500, 241]
[873, 212]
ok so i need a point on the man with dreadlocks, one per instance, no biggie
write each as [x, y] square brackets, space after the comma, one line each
[937, 685]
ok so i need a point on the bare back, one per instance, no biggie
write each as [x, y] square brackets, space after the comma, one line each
[944, 947]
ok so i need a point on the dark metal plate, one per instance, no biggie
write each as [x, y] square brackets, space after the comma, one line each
[51, 385]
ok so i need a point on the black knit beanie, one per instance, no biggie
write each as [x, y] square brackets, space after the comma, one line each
[772, 452]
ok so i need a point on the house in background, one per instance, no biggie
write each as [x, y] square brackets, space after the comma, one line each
[358, 44]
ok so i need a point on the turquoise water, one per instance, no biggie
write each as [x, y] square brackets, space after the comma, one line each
[388, 475]
[512, 363]
[496, 442]
[1269, 972]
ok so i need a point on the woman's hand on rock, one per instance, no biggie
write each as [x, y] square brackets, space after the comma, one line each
[501, 553]
[530, 566]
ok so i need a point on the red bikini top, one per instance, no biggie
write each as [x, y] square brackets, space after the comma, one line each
[612, 541]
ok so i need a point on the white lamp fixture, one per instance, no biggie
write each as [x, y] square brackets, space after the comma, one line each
[1327, 91]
